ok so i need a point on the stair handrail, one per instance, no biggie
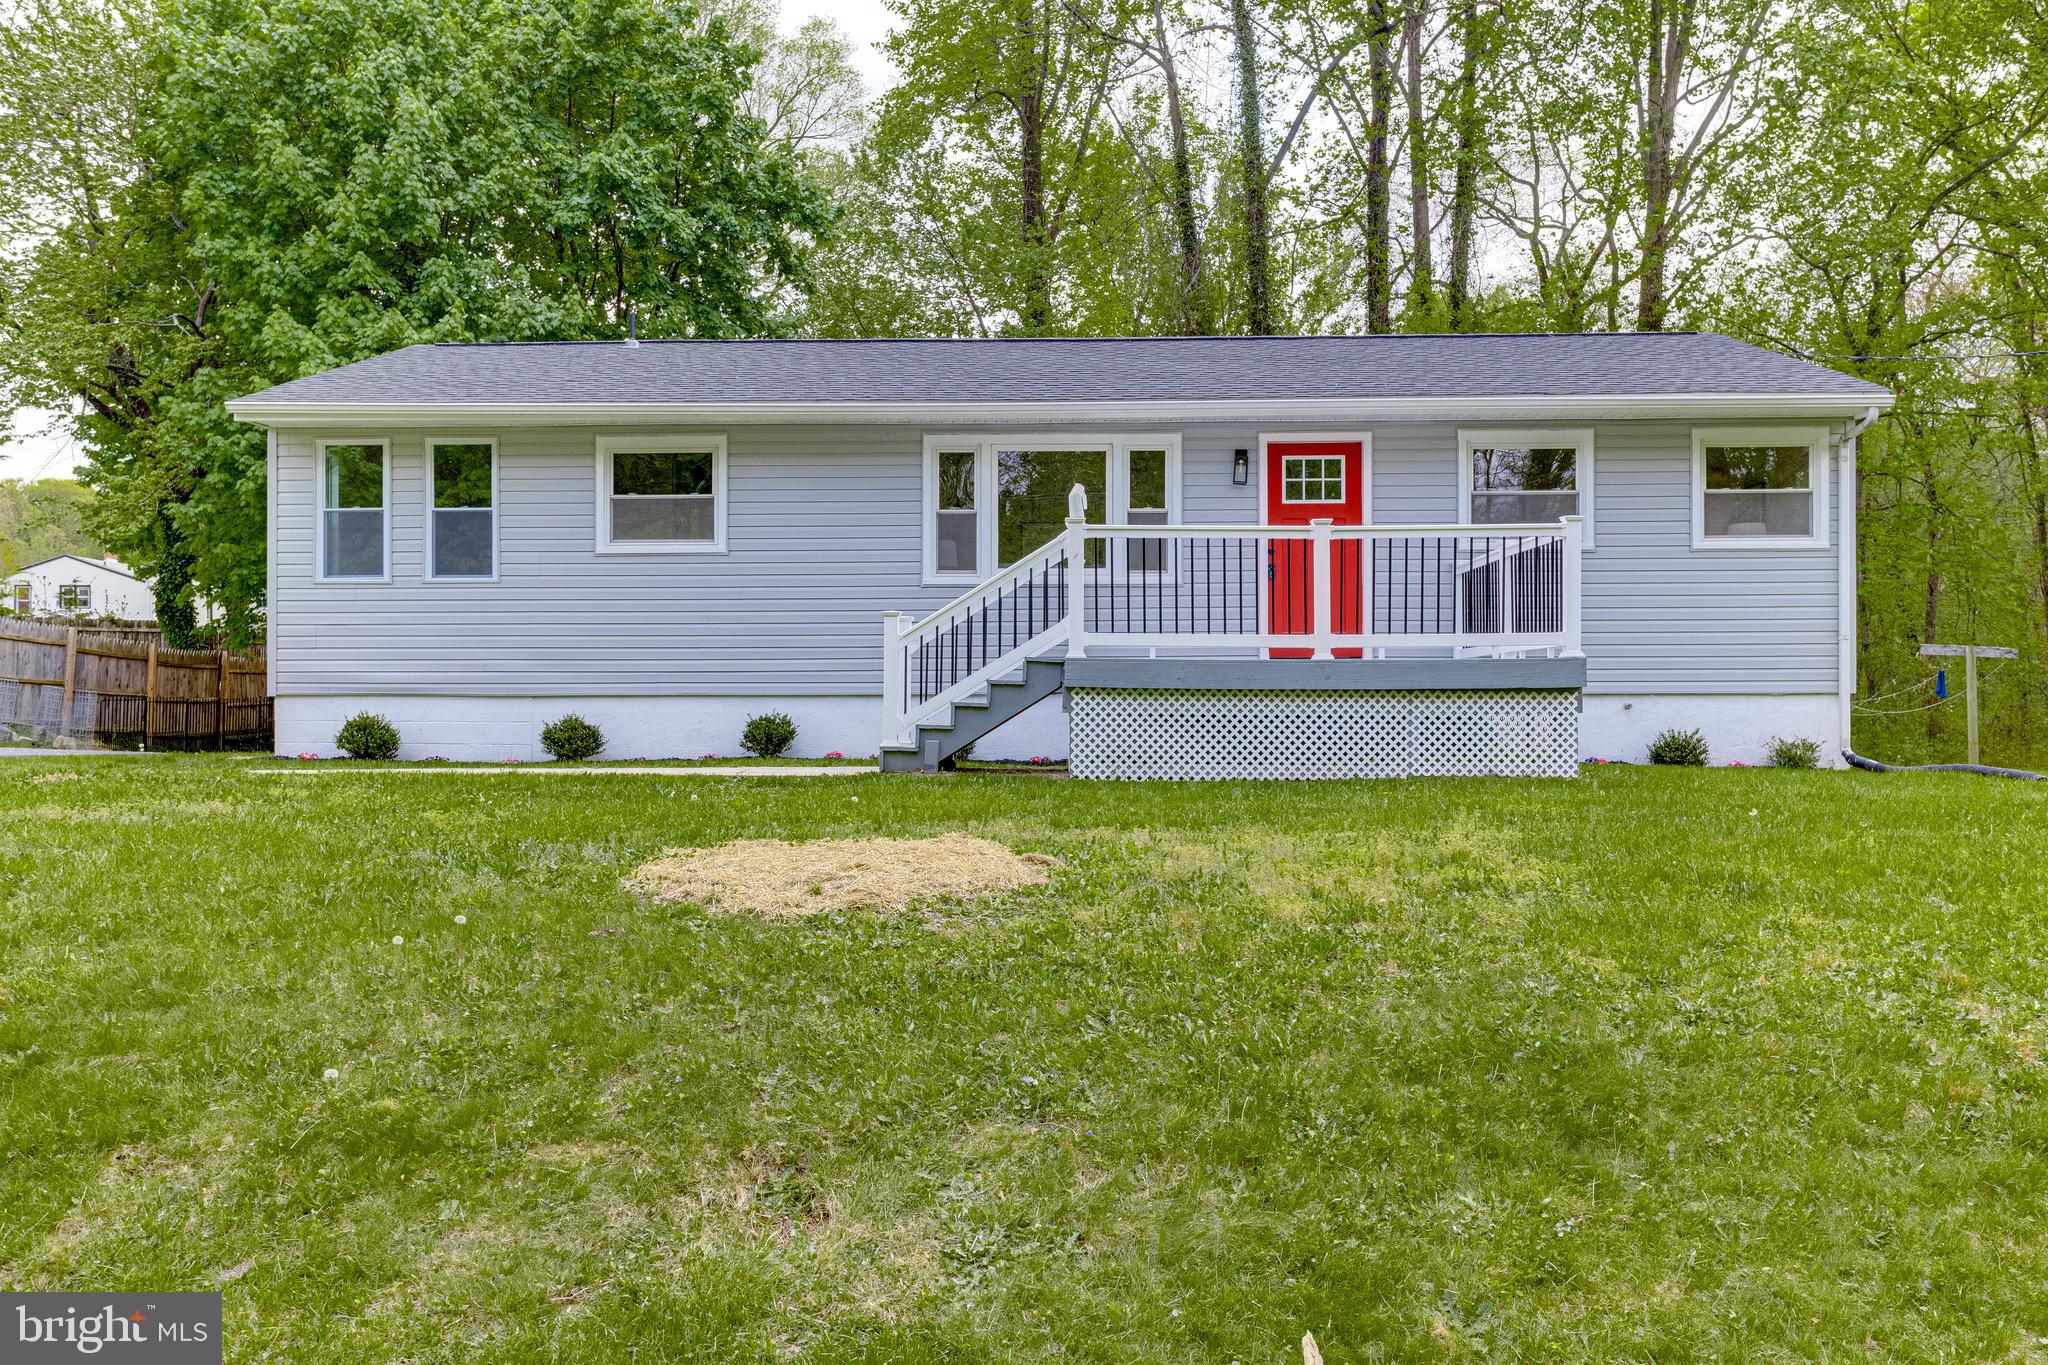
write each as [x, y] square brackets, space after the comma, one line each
[901, 636]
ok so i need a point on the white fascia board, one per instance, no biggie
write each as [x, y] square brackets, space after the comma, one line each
[1672, 407]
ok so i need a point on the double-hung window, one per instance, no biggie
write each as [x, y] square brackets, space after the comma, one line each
[23, 599]
[355, 494]
[1760, 488]
[1523, 478]
[74, 597]
[661, 495]
[990, 501]
[462, 515]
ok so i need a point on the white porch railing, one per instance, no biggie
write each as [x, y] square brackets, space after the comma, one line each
[1314, 591]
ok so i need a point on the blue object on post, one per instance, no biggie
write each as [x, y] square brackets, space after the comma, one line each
[1941, 683]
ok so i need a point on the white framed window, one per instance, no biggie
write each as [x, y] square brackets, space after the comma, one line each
[990, 500]
[1757, 488]
[1311, 478]
[1525, 476]
[661, 493]
[462, 508]
[354, 529]
[74, 597]
[22, 599]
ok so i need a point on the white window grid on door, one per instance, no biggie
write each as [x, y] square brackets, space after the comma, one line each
[1312, 478]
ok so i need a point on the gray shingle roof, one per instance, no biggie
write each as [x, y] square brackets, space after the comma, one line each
[1195, 369]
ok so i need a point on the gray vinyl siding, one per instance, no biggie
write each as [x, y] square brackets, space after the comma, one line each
[824, 531]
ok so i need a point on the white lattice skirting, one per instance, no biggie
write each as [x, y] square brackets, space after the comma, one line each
[1182, 735]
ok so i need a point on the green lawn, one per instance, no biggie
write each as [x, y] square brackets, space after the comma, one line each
[1651, 1065]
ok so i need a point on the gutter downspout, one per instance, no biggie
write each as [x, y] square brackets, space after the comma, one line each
[1845, 593]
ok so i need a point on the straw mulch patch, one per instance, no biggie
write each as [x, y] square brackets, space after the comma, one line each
[783, 880]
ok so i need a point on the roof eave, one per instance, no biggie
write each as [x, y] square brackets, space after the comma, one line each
[1668, 406]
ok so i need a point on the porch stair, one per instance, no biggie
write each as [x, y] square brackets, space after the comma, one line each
[968, 719]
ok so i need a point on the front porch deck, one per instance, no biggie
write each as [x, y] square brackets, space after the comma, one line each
[1362, 615]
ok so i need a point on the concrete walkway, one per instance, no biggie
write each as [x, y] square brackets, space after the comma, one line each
[550, 770]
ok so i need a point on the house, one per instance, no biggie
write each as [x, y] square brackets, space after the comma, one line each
[1260, 556]
[73, 585]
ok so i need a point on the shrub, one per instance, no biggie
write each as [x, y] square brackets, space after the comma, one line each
[366, 736]
[572, 737]
[1682, 748]
[1795, 753]
[768, 736]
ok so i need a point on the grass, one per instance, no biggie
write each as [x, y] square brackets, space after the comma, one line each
[1652, 1065]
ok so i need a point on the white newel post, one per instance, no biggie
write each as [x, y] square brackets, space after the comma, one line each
[1076, 553]
[892, 677]
[1574, 543]
[1322, 569]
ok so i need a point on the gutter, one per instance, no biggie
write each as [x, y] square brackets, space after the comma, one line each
[1673, 407]
[1845, 588]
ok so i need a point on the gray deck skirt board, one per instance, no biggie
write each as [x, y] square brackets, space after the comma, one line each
[1328, 675]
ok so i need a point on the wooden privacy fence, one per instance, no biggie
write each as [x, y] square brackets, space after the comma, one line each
[64, 683]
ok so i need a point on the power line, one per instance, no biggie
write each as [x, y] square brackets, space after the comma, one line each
[1983, 355]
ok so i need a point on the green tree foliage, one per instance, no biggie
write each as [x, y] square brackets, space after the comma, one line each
[43, 518]
[264, 189]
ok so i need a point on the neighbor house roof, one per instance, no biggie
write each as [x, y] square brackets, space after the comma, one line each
[110, 565]
[820, 380]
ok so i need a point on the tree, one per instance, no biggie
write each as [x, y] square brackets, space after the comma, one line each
[41, 519]
[1252, 172]
[265, 189]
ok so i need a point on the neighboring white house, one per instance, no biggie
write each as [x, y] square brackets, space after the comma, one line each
[1309, 556]
[72, 585]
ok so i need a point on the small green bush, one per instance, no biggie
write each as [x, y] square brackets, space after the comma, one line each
[768, 736]
[572, 737]
[1795, 753]
[366, 736]
[1681, 748]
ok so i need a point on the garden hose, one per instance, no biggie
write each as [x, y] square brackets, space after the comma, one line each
[1871, 765]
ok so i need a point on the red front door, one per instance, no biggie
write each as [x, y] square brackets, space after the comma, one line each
[1306, 480]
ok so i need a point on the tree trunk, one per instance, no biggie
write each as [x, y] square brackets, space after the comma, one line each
[1422, 273]
[1378, 175]
[1031, 177]
[1195, 316]
[1670, 25]
[1465, 175]
[1252, 153]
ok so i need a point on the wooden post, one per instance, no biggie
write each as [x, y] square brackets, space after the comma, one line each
[70, 678]
[220, 706]
[149, 699]
[1970, 695]
[1970, 654]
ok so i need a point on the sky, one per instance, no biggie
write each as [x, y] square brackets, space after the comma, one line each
[37, 444]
